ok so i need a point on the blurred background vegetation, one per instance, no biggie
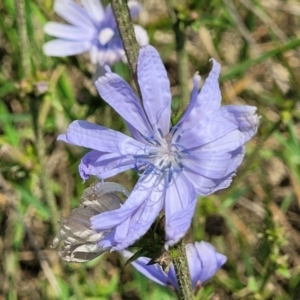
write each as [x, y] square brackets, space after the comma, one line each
[255, 222]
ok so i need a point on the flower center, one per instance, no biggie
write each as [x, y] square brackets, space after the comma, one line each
[105, 35]
[162, 157]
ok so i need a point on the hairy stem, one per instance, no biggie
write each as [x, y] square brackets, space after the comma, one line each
[131, 47]
[180, 263]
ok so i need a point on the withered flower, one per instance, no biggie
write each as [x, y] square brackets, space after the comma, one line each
[80, 242]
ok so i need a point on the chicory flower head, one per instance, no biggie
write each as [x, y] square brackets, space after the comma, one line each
[199, 155]
[92, 28]
[203, 261]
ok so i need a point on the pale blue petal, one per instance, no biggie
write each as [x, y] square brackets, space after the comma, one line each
[179, 223]
[73, 13]
[212, 169]
[206, 186]
[118, 94]
[154, 272]
[104, 165]
[193, 99]
[240, 120]
[203, 261]
[194, 264]
[94, 9]
[134, 8]
[209, 261]
[89, 135]
[208, 100]
[65, 48]
[135, 133]
[109, 20]
[138, 196]
[155, 88]
[144, 217]
[236, 159]
[142, 207]
[179, 208]
[209, 164]
[68, 32]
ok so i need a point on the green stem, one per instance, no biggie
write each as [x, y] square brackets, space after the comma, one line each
[180, 263]
[131, 47]
[121, 13]
[22, 30]
[44, 178]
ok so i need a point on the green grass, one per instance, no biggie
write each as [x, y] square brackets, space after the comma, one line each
[255, 222]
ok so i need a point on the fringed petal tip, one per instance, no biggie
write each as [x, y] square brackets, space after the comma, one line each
[104, 80]
[216, 66]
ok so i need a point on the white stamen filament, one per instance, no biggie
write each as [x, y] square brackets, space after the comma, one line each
[162, 157]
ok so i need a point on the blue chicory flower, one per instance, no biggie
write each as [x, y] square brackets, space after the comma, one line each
[92, 28]
[203, 261]
[199, 155]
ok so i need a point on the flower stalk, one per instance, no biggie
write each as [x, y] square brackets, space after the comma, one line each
[131, 47]
[181, 267]
[122, 16]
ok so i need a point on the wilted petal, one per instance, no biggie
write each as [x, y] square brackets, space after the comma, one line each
[60, 47]
[119, 95]
[80, 242]
[155, 88]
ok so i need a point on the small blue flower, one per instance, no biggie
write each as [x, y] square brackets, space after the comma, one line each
[203, 261]
[92, 28]
[199, 155]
